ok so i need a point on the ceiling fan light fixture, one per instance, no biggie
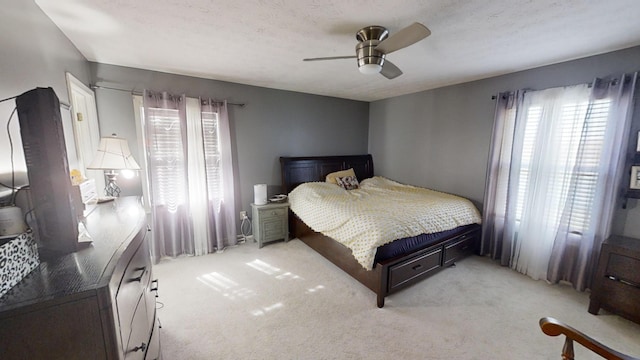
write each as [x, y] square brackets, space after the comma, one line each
[374, 44]
[370, 61]
[370, 64]
[369, 69]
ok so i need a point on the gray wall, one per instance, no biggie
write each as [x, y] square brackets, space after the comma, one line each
[35, 53]
[440, 138]
[273, 123]
[427, 138]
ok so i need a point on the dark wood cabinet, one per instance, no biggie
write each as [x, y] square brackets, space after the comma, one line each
[616, 286]
[96, 303]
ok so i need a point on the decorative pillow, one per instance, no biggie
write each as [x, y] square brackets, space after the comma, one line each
[331, 178]
[348, 182]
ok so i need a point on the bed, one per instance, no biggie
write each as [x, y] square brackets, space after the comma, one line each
[396, 265]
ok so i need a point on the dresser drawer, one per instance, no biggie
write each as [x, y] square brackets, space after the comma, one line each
[412, 268]
[138, 341]
[459, 248]
[133, 285]
[153, 351]
[150, 297]
[624, 268]
[272, 213]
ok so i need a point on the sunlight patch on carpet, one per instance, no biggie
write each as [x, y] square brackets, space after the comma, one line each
[272, 270]
[263, 267]
[224, 285]
[267, 309]
[288, 275]
[312, 290]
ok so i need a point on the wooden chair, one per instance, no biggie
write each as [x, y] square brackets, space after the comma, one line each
[553, 327]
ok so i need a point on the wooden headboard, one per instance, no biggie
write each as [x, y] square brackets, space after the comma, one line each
[298, 170]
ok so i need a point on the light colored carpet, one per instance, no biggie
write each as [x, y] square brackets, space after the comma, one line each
[285, 301]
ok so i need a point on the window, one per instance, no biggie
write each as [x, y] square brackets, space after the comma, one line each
[555, 174]
[189, 173]
[570, 170]
[169, 158]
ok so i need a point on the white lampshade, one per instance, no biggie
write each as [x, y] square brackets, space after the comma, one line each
[113, 154]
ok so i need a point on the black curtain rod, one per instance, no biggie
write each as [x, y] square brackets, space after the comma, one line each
[9, 98]
[62, 103]
[140, 94]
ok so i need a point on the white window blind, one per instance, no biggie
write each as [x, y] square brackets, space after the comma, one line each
[168, 153]
[587, 174]
[212, 160]
[167, 158]
[573, 174]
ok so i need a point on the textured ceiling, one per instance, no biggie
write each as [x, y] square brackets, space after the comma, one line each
[262, 42]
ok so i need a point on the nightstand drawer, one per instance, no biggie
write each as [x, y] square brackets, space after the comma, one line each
[624, 268]
[621, 299]
[274, 229]
[616, 283]
[272, 213]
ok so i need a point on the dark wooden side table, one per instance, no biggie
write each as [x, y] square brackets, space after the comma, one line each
[616, 286]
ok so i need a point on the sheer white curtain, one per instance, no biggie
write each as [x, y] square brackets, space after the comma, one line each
[555, 165]
[548, 130]
[190, 172]
[574, 259]
[219, 168]
[197, 178]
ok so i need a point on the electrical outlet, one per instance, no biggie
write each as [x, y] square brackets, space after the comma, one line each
[243, 215]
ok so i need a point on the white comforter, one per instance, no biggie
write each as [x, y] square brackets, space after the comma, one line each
[380, 211]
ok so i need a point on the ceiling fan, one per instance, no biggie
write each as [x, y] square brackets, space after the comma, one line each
[374, 44]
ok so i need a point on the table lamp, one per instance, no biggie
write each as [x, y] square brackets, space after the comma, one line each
[113, 154]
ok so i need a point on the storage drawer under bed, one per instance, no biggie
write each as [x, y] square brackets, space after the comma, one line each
[407, 271]
[404, 272]
[459, 247]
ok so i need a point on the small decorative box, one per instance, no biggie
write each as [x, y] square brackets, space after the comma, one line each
[18, 258]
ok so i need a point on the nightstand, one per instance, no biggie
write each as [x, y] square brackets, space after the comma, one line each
[616, 286]
[270, 222]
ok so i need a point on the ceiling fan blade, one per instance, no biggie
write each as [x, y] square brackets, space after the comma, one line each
[330, 58]
[390, 71]
[403, 38]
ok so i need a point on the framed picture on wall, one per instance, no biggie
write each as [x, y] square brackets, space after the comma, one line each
[635, 177]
